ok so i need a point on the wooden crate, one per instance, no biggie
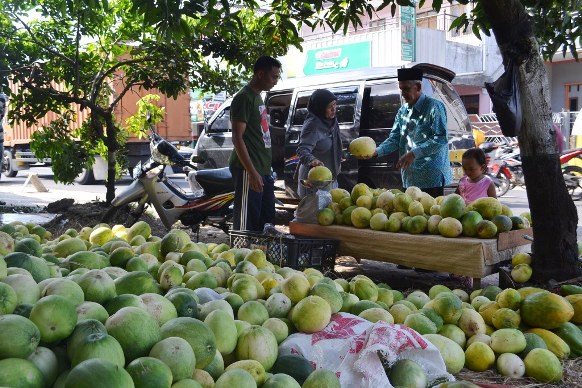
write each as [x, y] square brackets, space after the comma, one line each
[466, 256]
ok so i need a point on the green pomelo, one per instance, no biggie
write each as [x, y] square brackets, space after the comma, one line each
[176, 353]
[91, 310]
[278, 305]
[433, 316]
[24, 287]
[82, 330]
[469, 221]
[202, 279]
[68, 247]
[364, 289]
[218, 304]
[198, 335]
[55, 316]
[376, 314]
[98, 345]
[486, 229]
[90, 260]
[135, 330]
[216, 367]
[296, 287]
[253, 312]
[17, 372]
[98, 372]
[543, 365]
[362, 305]
[235, 377]
[28, 245]
[509, 298]
[311, 314]
[401, 202]
[149, 372]
[67, 288]
[120, 256]
[454, 333]
[224, 328]
[502, 223]
[471, 322]
[360, 217]
[420, 323]
[48, 364]
[407, 373]
[136, 283]
[97, 286]
[448, 306]
[417, 224]
[319, 173]
[36, 266]
[278, 327]
[337, 194]
[347, 215]
[330, 294]
[185, 304]
[19, 337]
[488, 207]
[450, 227]
[259, 344]
[491, 292]
[170, 243]
[254, 368]
[160, 308]
[360, 189]
[508, 341]
[418, 298]
[453, 205]
[322, 378]
[281, 380]
[8, 299]
[453, 355]
[124, 300]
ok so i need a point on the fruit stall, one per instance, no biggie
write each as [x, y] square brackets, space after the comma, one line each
[465, 256]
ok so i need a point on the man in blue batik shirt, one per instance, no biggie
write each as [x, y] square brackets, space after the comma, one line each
[420, 136]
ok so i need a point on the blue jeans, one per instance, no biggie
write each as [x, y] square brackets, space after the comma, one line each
[252, 210]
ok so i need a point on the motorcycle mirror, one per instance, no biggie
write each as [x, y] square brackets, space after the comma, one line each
[197, 159]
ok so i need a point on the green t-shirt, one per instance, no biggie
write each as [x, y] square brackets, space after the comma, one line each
[248, 106]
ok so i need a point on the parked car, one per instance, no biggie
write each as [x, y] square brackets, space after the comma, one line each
[367, 103]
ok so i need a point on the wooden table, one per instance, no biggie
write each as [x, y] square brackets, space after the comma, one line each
[465, 256]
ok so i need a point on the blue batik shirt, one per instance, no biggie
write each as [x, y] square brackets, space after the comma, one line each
[421, 129]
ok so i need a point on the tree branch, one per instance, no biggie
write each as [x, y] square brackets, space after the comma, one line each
[35, 40]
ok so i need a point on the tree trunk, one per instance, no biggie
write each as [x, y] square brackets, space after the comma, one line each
[112, 147]
[554, 216]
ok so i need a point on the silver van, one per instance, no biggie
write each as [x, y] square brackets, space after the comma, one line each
[367, 103]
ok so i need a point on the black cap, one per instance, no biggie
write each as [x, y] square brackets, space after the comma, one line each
[409, 74]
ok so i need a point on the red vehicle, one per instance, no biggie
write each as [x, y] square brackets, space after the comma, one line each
[497, 169]
[572, 173]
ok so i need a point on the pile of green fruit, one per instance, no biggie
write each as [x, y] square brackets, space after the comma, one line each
[417, 212]
[117, 307]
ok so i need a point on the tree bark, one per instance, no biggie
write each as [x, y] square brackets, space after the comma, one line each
[112, 147]
[554, 216]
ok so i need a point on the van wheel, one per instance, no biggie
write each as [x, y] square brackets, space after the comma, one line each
[7, 166]
[86, 177]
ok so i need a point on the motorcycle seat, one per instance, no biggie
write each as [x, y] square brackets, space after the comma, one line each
[214, 181]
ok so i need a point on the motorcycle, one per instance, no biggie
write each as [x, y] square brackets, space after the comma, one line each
[497, 170]
[572, 174]
[211, 204]
[511, 156]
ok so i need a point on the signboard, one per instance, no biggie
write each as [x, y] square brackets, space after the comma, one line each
[408, 33]
[331, 59]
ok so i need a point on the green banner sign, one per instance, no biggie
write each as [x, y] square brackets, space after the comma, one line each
[337, 58]
[408, 33]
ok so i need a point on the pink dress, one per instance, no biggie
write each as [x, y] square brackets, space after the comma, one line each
[470, 191]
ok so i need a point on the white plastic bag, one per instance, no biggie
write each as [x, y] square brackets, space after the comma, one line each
[310, 206]
[349, 346]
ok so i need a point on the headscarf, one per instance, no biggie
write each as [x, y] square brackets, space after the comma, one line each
[318, 103]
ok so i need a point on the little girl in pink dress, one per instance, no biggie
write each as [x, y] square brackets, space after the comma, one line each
[475, 183]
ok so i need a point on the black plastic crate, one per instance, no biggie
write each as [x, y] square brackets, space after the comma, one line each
[289, 251]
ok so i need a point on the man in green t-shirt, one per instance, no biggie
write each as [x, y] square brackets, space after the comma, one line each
[250, 162]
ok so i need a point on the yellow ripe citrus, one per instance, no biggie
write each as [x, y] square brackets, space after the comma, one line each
[505, 318]
[479, 357]
[521, 258]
